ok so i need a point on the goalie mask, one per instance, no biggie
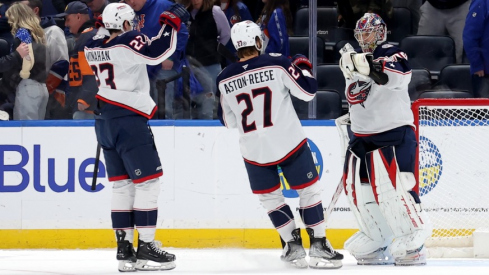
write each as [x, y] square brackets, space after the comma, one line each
[370, 31]
[115, 14]
[243, 34]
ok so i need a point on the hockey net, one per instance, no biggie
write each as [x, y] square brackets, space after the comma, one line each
[453, 171]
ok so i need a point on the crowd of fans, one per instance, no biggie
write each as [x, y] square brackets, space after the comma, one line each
[61, 85]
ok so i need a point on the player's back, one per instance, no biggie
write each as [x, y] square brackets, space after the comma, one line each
[120, 67]
[114, 63]
[255, 98]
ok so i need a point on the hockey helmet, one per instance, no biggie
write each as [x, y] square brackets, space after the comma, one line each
[243, 34]
[370, 31]
[115, 14]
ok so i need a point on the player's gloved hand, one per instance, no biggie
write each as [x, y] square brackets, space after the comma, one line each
[99, 22]
[302, 62]
[361, 62]
[174, 16]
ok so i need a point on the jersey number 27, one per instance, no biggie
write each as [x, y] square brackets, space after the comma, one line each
[267, 108]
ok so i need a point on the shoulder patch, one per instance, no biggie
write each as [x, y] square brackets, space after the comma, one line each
[275, 54]
[385, 46]
[87, 30]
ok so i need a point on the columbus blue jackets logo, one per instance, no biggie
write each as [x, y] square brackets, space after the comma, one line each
[318, 160]
[358, 92]
[430, 165]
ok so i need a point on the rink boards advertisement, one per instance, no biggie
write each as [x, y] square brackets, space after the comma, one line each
[205, 200]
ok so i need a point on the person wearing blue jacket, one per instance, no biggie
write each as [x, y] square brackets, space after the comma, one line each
[275, 21]
[476, 45]
[235, 11]
[148, 13]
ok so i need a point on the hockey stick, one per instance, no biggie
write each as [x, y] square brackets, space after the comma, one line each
[226, 53]
[341, 125]
[95, 168]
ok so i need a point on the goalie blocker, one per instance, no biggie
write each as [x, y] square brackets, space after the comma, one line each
[393, 227]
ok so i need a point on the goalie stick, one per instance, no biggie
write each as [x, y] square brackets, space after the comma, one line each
[226, 53]
[341, 125]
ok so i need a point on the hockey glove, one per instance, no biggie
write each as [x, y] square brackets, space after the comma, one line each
[302, 62]
[364, 64]
[99, 23]
[174, 16]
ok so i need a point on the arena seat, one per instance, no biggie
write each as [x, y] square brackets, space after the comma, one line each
[455, 77]
[445, 94]
[330, 77]
[300, 45]
[429, 51]
[420, 81]
[328, 104]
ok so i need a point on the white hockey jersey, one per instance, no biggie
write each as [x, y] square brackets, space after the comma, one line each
[378, 108]
[255, 98]
[120, 67]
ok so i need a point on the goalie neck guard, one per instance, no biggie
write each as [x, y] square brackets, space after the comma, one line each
[370, 31]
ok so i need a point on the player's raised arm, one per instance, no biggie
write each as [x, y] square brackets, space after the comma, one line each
[298, 78]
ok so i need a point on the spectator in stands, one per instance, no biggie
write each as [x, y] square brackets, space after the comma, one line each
[56, 61]
[7, 62]
[414, 7]
[235, 11]
[60, 5]
[97, 6]
[351, 10]
[443, 17]
[26, 79]
[476, 44]
[82, 83]
[4, 25]
[208, 28]
[147, 14]
[276, 22]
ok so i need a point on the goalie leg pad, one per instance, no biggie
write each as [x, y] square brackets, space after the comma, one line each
[404, 216]
[122, 214]
[279, 213]
[311, 209]
[146, 208]
[374, 232]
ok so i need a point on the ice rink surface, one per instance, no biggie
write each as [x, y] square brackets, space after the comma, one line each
[212, 261]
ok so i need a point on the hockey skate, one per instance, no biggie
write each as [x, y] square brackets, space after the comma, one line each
[125, 253]
[381, 256]
[151, 257]
[293, 252]
[321, 253]
[413, 257]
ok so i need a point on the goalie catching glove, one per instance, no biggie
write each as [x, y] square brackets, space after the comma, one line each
[352, 63]
[174, 16]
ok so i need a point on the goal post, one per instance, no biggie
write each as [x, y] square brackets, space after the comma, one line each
[453, 171]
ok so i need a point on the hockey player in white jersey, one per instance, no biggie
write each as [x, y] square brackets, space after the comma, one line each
[380, 161]
[255, 98]
[121, 125]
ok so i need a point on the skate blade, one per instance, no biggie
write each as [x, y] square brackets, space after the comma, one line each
[321, 263]
[410, 263]
[297, 263]
[127, 266]
[147, 265]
